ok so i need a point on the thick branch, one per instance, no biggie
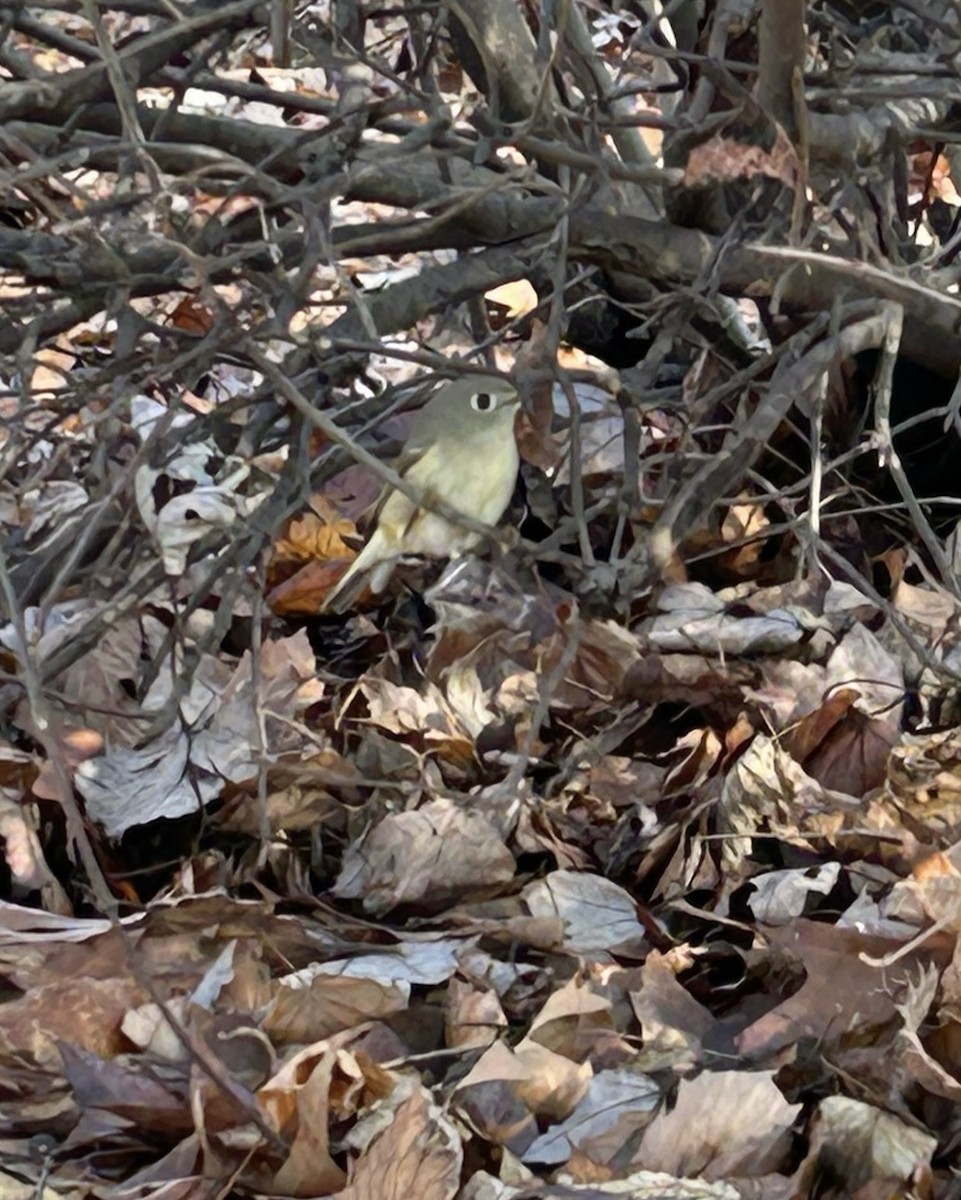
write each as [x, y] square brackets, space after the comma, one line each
[636, 251]
[782, 47]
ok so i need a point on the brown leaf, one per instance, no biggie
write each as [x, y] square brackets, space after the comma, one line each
[419, 1155]
[672, 1022]
[858, 1144]
[303, 594]
[433, 855]
[129, 1092]
[723, 1124]
[86, 1013]
[317, 534]
[723, 158]
[308, 558]
[840, 992]
[327, 1005]
[192, 317]
[474, 1016]
[309, 1169]
[535, 440]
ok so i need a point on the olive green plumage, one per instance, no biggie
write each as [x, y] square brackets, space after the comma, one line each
[461, 452]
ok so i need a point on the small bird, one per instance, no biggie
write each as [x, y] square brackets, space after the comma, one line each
[462, 453]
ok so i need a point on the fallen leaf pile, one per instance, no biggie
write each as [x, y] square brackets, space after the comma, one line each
[506, 922]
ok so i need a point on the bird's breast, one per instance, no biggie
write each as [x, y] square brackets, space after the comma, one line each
[477, 478]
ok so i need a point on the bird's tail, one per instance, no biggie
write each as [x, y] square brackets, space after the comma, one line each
[372, 568]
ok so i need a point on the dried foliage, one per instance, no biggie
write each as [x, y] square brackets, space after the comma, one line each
[622, 859]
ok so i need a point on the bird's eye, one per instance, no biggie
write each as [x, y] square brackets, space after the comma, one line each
[483, 402]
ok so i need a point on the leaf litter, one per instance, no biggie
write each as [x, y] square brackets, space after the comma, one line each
[667, 1002]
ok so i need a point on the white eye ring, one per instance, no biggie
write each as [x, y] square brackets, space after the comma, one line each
[483, 402]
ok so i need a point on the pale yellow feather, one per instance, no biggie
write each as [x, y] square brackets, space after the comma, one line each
[463, 457]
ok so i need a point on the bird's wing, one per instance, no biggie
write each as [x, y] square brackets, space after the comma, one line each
[401, 463]
[419, 466]
[424, 466]
[391, 520]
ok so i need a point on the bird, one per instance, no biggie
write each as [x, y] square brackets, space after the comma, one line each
[462, 453]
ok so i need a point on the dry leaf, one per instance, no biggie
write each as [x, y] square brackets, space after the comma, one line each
[431, 856]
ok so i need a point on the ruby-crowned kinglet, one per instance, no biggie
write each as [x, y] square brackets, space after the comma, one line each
[461, 452]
